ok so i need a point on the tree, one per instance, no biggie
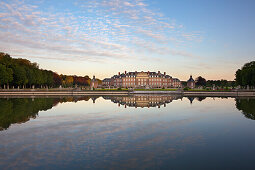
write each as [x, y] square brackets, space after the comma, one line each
[69, 80]
[6, 75]
[246, 75]
[5, 59]
[49, 81]
[57, 80]
[31, 76]
[39, 77]
[200, 81]
[21, 72]
[19, 75]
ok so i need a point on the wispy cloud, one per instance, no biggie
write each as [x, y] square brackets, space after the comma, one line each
[98, 31]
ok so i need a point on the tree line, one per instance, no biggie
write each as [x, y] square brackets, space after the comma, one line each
[21, 73]
[202, 82]
[246, 75]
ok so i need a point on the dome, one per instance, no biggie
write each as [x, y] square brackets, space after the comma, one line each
[191, 79]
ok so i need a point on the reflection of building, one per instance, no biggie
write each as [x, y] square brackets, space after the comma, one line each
[191, 83]
[93, 98]
[191, 99]
[144, 100]
[142, 80]
[94, 83]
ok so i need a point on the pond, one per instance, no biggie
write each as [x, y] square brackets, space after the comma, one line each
[127, 132]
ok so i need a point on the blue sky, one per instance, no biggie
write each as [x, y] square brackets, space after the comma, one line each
[103, 37]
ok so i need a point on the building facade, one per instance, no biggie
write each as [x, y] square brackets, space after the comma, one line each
[93, 83]
[191, 83]
[142, 80]
[106, 82]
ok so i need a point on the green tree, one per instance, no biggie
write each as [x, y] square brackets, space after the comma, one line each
[246, 75]
[19, 75]
[49, 81]
[5, 59]
[31, 76]
[20, 71]
[200, 81]
[39, 77]
[6, 75]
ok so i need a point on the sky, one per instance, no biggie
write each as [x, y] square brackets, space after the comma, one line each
[204, 38]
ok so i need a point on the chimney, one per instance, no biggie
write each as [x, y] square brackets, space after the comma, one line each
[119, 73]
[125, 72]
[164, 73]
[158, 72]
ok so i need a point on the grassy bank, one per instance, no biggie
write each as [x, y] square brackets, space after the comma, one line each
[207, 90]
[111, 89]
[155, 89]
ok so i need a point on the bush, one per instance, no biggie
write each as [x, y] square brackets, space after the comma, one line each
[186, 89]
[119, 88]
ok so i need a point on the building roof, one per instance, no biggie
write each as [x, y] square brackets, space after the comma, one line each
[107, 79]
[191, 79]
[141, 73]
[176, 79]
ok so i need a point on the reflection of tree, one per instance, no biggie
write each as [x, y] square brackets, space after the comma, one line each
[200, 98]
[20, 110]
[94, 98]
[247, 106]
[191, 99]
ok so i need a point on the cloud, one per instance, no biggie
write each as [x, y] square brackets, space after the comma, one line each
[99, 30]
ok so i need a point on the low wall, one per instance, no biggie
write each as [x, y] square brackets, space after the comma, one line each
[230, 93]
[77, 93]
[156, 92]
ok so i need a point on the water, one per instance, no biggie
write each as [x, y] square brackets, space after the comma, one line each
[134, 132]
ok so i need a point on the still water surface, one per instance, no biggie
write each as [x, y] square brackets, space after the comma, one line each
[141, 132]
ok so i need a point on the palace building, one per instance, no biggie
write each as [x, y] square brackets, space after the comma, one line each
[142, 80]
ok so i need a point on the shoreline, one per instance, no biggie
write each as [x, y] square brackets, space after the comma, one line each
[81, 93]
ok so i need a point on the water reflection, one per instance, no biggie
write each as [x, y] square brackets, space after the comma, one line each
[20, 110]
[247, 106]
[208, 134]
[143, 100]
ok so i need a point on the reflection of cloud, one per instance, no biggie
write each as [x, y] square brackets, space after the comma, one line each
[95, 139]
